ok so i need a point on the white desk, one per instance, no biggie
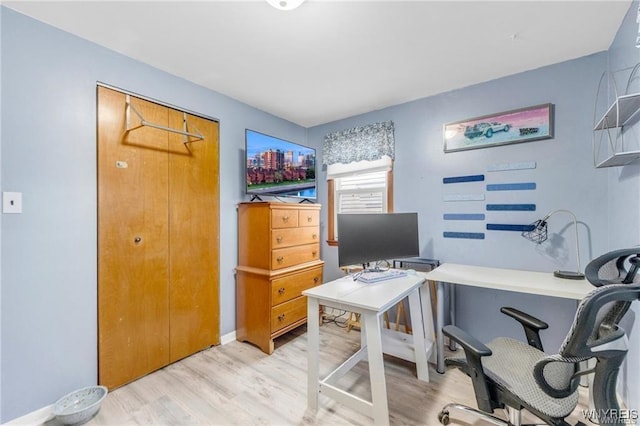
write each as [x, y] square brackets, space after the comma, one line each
[370, 301]
[542, 283]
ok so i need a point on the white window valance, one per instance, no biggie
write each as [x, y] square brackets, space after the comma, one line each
[338, 170]
[366, 143]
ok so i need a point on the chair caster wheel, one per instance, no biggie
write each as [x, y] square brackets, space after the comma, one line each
[443, 417]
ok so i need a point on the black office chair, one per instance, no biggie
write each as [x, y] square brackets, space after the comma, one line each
[513, 375]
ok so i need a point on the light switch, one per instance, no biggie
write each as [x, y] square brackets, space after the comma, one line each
[12, 202]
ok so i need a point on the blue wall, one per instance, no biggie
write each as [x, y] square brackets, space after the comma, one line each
[624, 193]
[564, 175]
[605, 201]
[48, 282]
[565, 178]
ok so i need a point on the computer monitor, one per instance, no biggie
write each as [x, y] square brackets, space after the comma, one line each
[365, 238]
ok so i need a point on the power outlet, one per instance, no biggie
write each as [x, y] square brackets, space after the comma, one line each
[12, 202]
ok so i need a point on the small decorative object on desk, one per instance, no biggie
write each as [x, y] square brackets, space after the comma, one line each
[78, 407]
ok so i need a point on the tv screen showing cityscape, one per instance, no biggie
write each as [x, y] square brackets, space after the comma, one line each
[279, 168]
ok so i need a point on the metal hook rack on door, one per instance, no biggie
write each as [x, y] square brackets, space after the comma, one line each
[184, 132]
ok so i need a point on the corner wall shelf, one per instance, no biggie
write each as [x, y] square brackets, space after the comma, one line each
[619, 159]
[610, 127]
[620, 112]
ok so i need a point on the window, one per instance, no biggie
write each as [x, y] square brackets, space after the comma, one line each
[359, 163]
[358, 193]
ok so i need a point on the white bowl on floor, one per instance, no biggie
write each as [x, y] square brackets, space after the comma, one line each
[79, 406]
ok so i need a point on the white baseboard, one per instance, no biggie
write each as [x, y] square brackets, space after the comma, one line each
[227, 338]
[37, 417]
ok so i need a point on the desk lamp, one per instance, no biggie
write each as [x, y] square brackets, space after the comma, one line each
[538, 234]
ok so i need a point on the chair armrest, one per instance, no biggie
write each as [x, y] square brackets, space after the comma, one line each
[474, 350]
[531, 325]
[469, 343]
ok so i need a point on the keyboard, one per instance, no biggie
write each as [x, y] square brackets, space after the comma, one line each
[374, 277]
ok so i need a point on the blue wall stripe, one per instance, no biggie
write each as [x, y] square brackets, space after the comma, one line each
[511, 207]
[504, 227]
[511, 186]
[459, 179]
[469, 235]
[511, 166]
[463, 216]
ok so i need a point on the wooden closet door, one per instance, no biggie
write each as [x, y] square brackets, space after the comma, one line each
[133, 236]
[193, 236]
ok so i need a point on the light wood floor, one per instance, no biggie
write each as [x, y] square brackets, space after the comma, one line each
[237, 384]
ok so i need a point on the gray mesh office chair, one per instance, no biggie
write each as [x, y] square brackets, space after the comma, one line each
[513, 375]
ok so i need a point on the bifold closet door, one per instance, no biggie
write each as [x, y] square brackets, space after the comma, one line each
[133, 235]
[157, 238]
[193, 237]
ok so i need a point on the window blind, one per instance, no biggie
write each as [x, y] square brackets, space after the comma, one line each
[361, 193]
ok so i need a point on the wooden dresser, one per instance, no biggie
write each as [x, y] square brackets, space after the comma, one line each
[278, 258]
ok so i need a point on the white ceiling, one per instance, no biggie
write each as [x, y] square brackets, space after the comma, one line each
[329, 60]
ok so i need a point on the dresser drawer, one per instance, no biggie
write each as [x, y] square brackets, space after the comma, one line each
[308, 218]
[288, 312]
[287, 237]
[282, 218]
[289, 287]
[291, 256]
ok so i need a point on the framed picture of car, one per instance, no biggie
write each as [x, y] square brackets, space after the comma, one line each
[520, 125]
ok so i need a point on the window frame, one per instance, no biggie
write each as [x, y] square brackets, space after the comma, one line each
[331, 206]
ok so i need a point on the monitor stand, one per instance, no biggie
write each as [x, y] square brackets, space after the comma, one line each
[254, 197]
[306, 200]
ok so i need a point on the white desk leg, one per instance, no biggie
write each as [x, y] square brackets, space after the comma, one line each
[376, 368]
[418, 321]
[427, 311]
[313, 352]
[452, 312]
[439, 325]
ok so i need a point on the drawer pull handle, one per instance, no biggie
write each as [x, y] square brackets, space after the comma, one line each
[285, 218]
[279, 240]
[280, 259]
[313, 253]
[316, 279]
[314, 236]
[281, 290]
[309, 219]
[281, 317]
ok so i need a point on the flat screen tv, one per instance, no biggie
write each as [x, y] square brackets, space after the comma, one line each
[276, 167]
[366, 238]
